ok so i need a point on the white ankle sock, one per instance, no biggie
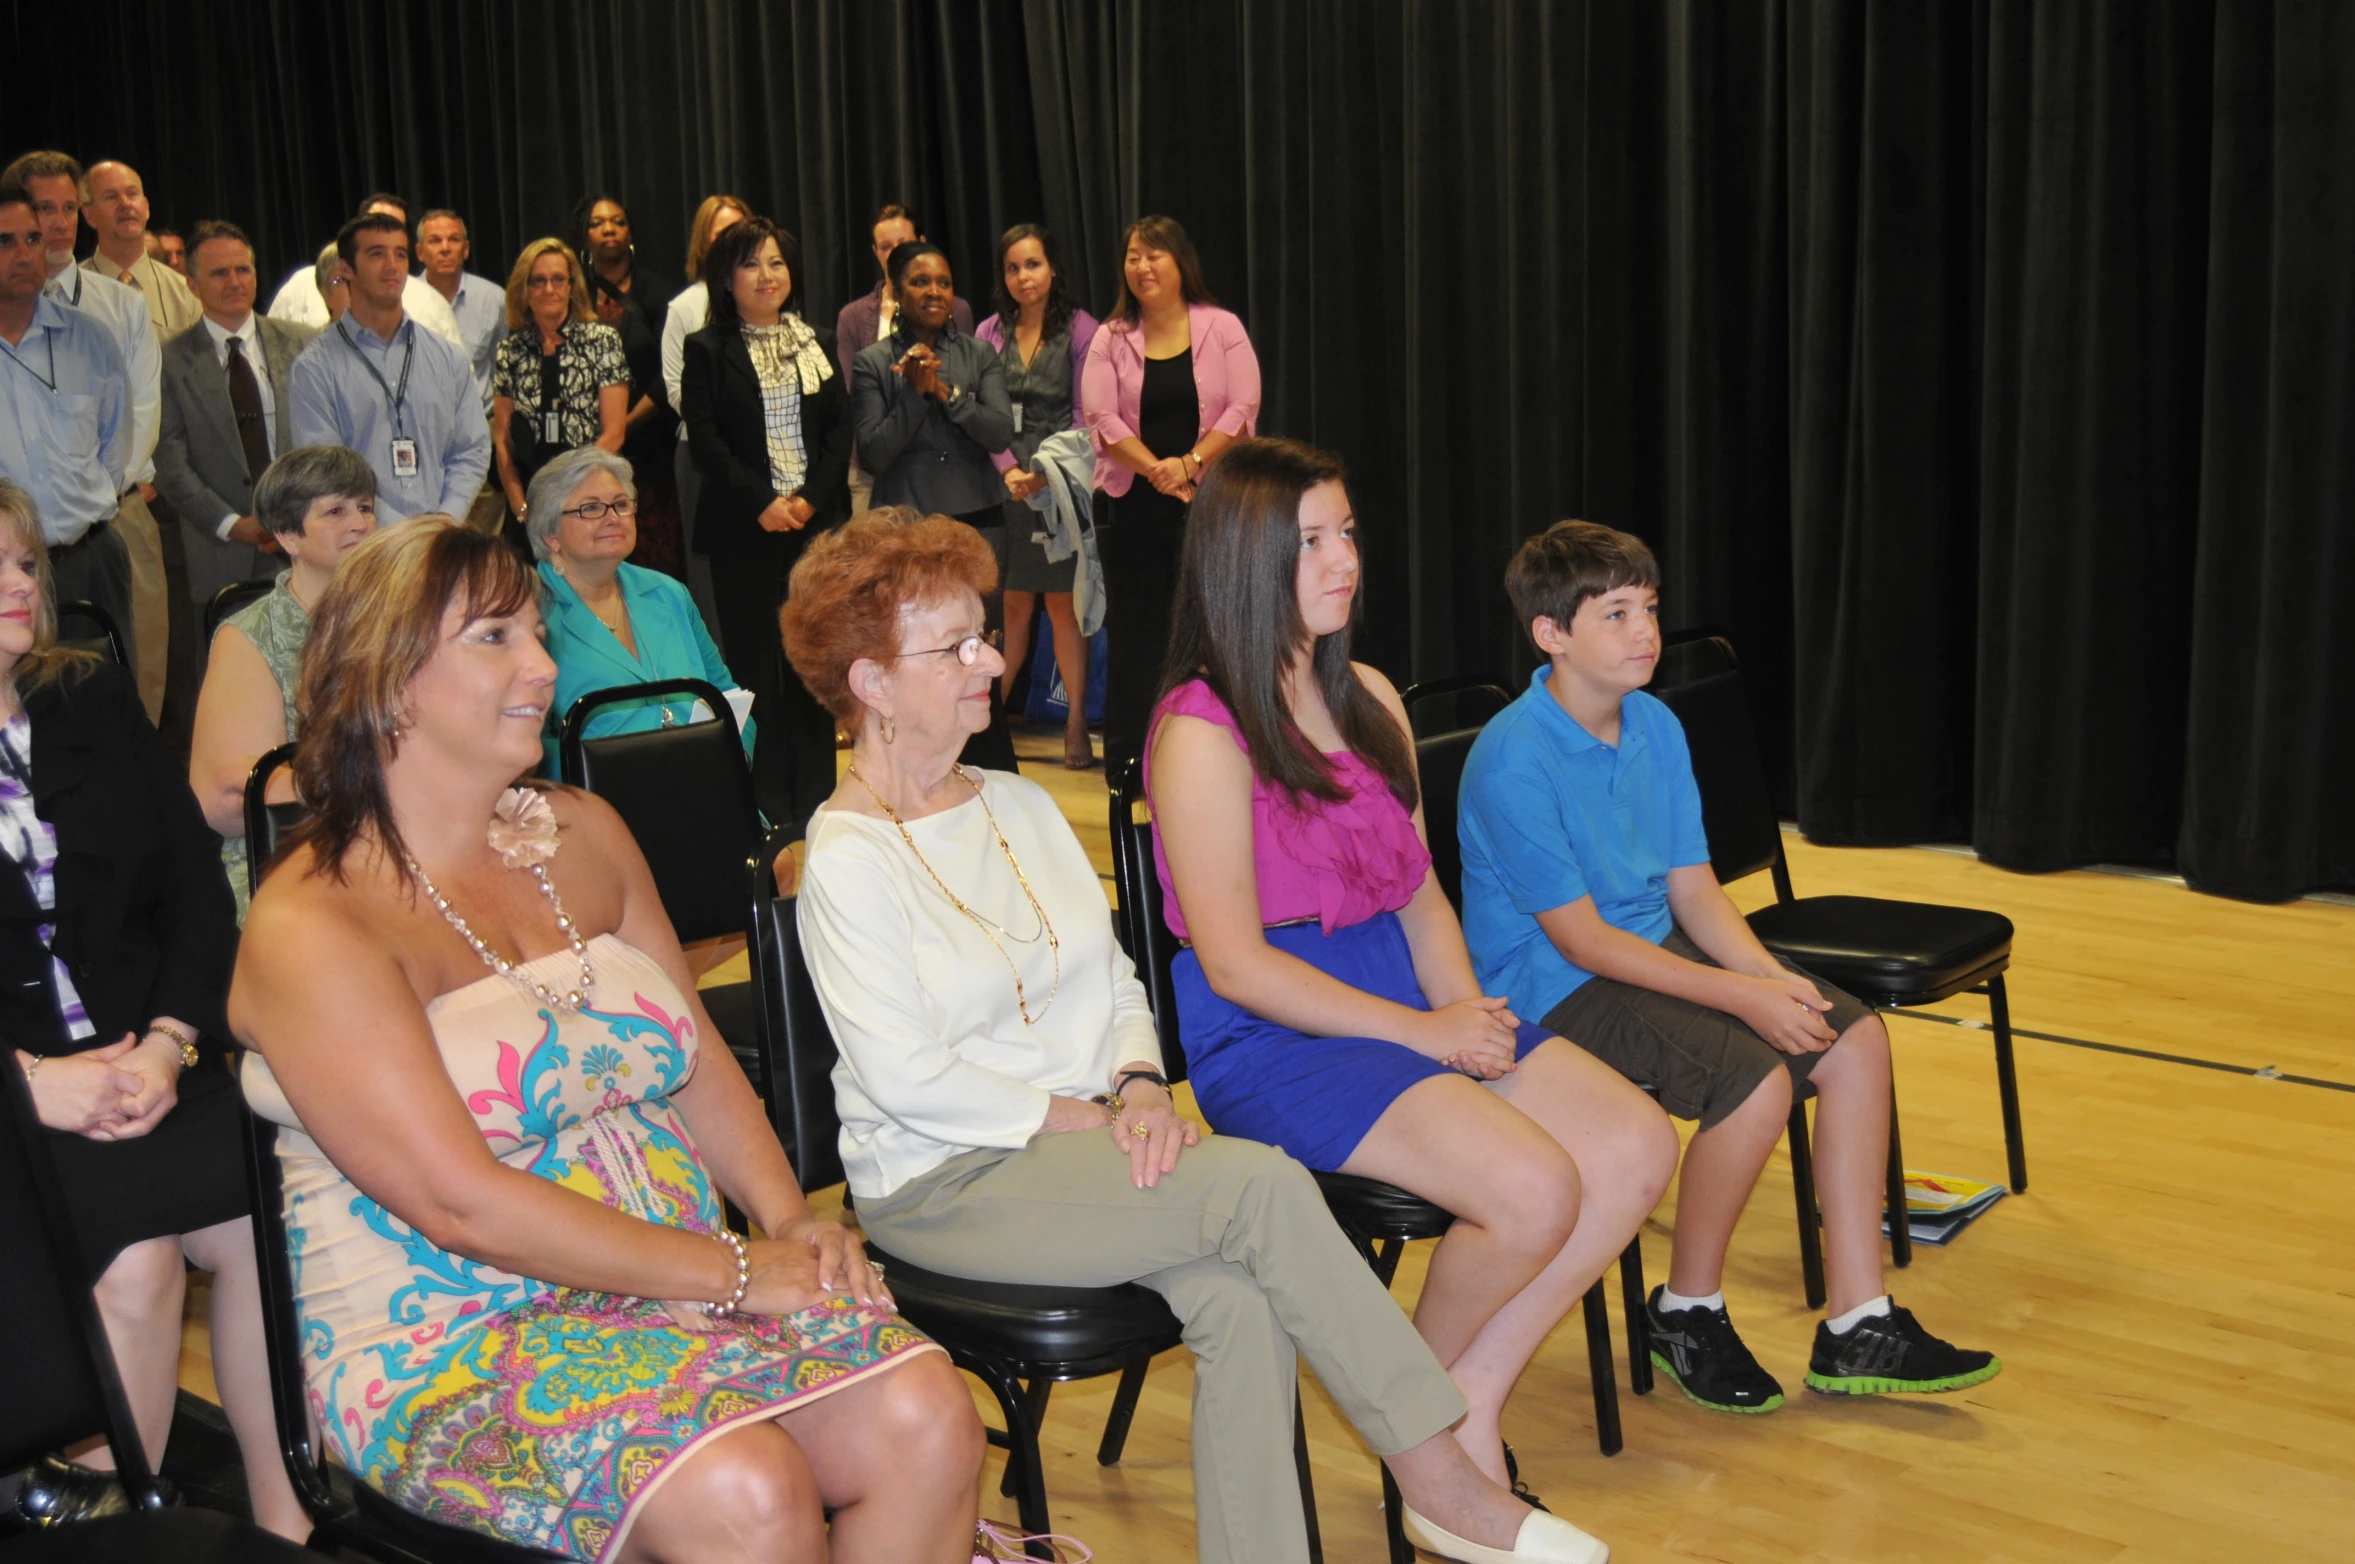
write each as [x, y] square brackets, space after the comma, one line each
[1863, 1311]
[1671, 1301]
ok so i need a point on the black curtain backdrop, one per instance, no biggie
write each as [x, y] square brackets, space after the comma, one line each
[1985, 369]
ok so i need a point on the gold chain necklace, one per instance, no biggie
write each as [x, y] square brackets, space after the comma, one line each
[1054, 945]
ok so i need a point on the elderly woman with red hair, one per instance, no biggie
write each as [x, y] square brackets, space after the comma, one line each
[1003, 1109]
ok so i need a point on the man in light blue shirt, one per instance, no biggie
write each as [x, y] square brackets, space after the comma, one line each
[65, 418]
[480, 305]
[402, 397]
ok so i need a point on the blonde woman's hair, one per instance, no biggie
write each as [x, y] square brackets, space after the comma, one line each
[519, 291]
[20, 526]
[699, 231]
[376, 625]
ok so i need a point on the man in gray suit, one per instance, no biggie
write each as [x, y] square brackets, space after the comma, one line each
[225, 414]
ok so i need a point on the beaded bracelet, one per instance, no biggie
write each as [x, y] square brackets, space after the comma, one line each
[727, 1308]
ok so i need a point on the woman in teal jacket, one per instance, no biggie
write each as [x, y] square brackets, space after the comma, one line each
[611, 623]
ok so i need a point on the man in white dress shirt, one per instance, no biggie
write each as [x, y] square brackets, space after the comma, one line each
[298, 302]
[443, 248]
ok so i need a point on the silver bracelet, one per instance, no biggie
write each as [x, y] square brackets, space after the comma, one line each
[726, 1309]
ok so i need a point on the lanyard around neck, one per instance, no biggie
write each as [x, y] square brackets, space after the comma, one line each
[48, 341]
[395, 396]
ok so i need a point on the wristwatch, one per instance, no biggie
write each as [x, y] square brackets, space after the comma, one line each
[1112, 1100]
[187, 1043]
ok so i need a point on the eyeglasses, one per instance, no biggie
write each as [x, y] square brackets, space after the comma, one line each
[548, 282]
[594, 510]
[968, 650]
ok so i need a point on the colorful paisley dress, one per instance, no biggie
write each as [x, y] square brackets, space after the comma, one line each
[535, 1413]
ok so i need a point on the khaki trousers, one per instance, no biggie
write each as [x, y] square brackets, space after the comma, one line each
[150, 629]
[488, 514]
[1239, 1242]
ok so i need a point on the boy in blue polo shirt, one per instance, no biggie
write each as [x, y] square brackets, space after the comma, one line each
[1589, 900]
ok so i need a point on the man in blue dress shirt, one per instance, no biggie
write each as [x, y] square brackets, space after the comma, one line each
[65, 418]
[444, 248]
[402, 397]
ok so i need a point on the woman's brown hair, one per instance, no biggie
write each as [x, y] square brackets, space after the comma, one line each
[1159, 233]
[20, 523]
[1237, 625]
[376, 625]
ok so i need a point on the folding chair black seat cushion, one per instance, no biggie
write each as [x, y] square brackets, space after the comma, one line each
[156, 1537]
[1082, 1329]
[1377, 1210]
[1888, 952]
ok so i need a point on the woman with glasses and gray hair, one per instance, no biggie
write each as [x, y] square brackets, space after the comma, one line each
[611, 623]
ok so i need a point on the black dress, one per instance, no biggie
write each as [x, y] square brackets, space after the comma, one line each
[1138, 540]
[144, 926]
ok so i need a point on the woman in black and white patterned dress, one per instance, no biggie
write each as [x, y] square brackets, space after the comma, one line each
[561, 380]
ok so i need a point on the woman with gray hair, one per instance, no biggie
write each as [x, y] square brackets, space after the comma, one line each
[333, 275]
[611, 623]
[319, 502]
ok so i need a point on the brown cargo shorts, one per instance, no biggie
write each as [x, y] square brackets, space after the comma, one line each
[1698, 1062]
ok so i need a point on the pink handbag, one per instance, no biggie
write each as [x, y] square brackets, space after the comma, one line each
[994, 1544]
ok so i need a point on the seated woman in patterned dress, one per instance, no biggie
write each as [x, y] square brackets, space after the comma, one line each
[520, 1308]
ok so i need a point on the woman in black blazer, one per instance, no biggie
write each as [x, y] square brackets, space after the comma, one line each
[117, 934]
[768, 428]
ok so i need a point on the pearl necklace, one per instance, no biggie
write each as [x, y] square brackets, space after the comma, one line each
[578, 999]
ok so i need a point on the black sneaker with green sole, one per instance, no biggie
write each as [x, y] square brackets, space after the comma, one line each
[1699, 1350]
[1891, 1354]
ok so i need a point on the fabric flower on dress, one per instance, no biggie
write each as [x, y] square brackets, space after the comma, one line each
[523, 828]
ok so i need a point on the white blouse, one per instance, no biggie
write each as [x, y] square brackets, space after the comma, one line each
[935, 1056]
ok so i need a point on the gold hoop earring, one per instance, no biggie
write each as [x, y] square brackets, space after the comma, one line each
[890, 730]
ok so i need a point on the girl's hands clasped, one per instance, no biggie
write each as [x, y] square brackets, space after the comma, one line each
[1479, 1037]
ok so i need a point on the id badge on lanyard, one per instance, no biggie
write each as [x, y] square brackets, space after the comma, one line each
[551, 427]
[404, 457]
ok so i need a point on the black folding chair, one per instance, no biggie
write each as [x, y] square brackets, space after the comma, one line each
[96, 632]
[1380, 1219]
[345, 1512]
[1460, 701]
[230, 599]
[62, 1385]
[266, 824]
[1018, 1339]
[1886, 953]
[686, 794]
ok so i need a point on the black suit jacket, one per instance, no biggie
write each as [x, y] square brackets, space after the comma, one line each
[145, 922]
[728, 439]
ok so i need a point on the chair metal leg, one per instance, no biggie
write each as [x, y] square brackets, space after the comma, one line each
[1900, 1228]
[1026, 1478]
[1394, 1520]
[1803, 1195]
[1632, 1296]
[1124, 1411]
[1598, 1362]
[1386, 1257]
[1034, 1401]
[1308, 1487]
[2007, 1083]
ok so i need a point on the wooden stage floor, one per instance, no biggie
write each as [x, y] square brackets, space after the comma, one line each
[2175, 1316]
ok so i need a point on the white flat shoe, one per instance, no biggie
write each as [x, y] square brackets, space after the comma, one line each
[1543, 1539]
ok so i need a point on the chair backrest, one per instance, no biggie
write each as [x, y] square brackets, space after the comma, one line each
[266, 824]
[95, 632]
[1700, 680]
[1439, 767]
[1143, 929]
[230, 599]
[61, 1375]
[686, 795]
[796, 1044]
[1443, 705]
[281, 1331]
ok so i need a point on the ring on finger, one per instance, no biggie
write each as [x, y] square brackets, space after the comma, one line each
[1140, 1130]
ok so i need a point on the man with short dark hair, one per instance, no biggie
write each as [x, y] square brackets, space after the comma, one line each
[402, 397]
[166, 245]
[115, 206]
[870, 317]
[65, 417]
[226, 415]
[300, 303]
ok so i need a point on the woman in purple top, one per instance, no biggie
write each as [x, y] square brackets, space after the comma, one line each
[1169, 382]
[1326, 999]
[1041, 338]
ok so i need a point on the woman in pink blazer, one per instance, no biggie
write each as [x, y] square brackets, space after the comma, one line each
[1169, 382]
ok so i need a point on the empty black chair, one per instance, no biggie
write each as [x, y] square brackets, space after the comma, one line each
[266, 824]
[1019, 1340]
[345, 1512]
[84, 624]
[230, 599]
[1380, 1219]
[62, 1386]
[1462, 701]
[686, 794]
[1886, 953]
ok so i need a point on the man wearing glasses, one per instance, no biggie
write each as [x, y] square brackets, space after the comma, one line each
[402, 397]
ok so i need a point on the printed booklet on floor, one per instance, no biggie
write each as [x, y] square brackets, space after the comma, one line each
[1940, 1205]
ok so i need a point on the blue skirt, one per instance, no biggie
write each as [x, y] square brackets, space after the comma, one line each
[1313, 1096]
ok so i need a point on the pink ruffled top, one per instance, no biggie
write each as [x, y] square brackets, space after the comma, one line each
[1339, 863]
